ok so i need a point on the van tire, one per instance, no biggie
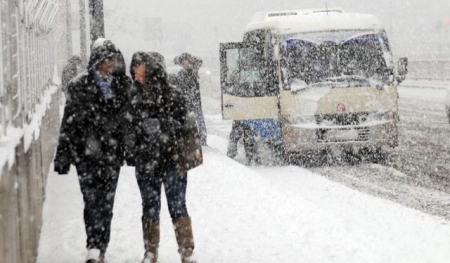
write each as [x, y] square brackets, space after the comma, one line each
[448, 114]
[376, 155]
[350, 157]
[251, 147]
[279, 153]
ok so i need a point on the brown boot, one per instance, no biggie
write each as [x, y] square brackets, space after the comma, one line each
[185, 238]
[151, 241]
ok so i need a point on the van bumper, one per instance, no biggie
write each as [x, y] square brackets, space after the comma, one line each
[298, 139]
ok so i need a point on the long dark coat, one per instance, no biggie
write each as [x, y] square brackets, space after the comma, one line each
[69, 72]
[91, 131]
[187, 82]
[158, 115]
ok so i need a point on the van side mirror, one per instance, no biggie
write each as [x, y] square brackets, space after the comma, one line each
[402, 68]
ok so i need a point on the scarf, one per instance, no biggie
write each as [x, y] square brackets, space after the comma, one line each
[105, 85]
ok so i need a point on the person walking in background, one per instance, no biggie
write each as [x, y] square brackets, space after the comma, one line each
[188, 83]
[196, 65]
[241, 129]
[69, 72]
[159, 114]
[91, 138]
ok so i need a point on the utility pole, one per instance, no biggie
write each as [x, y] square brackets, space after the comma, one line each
[97, 24]
[391, 14]
[69, 28]
[83, 49]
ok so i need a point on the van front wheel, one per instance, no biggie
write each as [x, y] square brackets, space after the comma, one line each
[279, 153]
[378, 155]
[448, 114]
[251, 147]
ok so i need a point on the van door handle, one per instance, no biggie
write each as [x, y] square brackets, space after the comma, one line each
[228, 105]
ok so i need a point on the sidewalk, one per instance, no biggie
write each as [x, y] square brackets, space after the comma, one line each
[251, 214]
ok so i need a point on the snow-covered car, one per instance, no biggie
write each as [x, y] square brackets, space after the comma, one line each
[447, 104]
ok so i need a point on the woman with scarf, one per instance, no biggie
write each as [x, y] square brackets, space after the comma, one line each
[91, 139]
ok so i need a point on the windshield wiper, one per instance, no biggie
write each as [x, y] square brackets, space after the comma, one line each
[333, 82]
[320, 84]
[348, 78]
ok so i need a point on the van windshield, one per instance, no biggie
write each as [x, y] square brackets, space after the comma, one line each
[336, 56]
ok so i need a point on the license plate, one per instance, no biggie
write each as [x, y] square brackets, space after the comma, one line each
[342, 135]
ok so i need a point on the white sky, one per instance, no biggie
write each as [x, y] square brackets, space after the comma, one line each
[198, 26]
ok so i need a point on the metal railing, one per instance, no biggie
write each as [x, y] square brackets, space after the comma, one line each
[28, 39]
[32, 36]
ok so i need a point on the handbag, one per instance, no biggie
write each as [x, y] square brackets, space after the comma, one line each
[189, 147]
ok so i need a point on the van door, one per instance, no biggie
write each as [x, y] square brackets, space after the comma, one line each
[247, 92]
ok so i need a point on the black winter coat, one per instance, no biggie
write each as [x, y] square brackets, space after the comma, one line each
[69, 72]
[187, 82]
[157, 115]
[91, 130]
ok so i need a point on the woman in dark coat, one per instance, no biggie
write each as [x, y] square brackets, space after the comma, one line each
[187, 82]
[91, 138]
[158, 117]
[69, 72]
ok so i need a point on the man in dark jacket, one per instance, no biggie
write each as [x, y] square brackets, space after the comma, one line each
[241, 129]
[158, 114]
[91, 138]
[69, 72]
[187, 82]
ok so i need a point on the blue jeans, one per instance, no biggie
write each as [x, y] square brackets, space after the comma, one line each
[175, 188]
[98, 185]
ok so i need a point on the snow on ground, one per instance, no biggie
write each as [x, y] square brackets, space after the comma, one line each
[252, 214]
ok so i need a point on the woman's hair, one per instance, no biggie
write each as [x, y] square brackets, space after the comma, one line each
[120, 67]
[155, 70]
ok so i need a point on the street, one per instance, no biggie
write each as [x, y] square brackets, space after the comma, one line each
[417, 172]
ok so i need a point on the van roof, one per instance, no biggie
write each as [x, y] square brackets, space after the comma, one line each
[312, 20]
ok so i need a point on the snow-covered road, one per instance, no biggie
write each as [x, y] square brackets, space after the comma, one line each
[417, 173]
[272, 214]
